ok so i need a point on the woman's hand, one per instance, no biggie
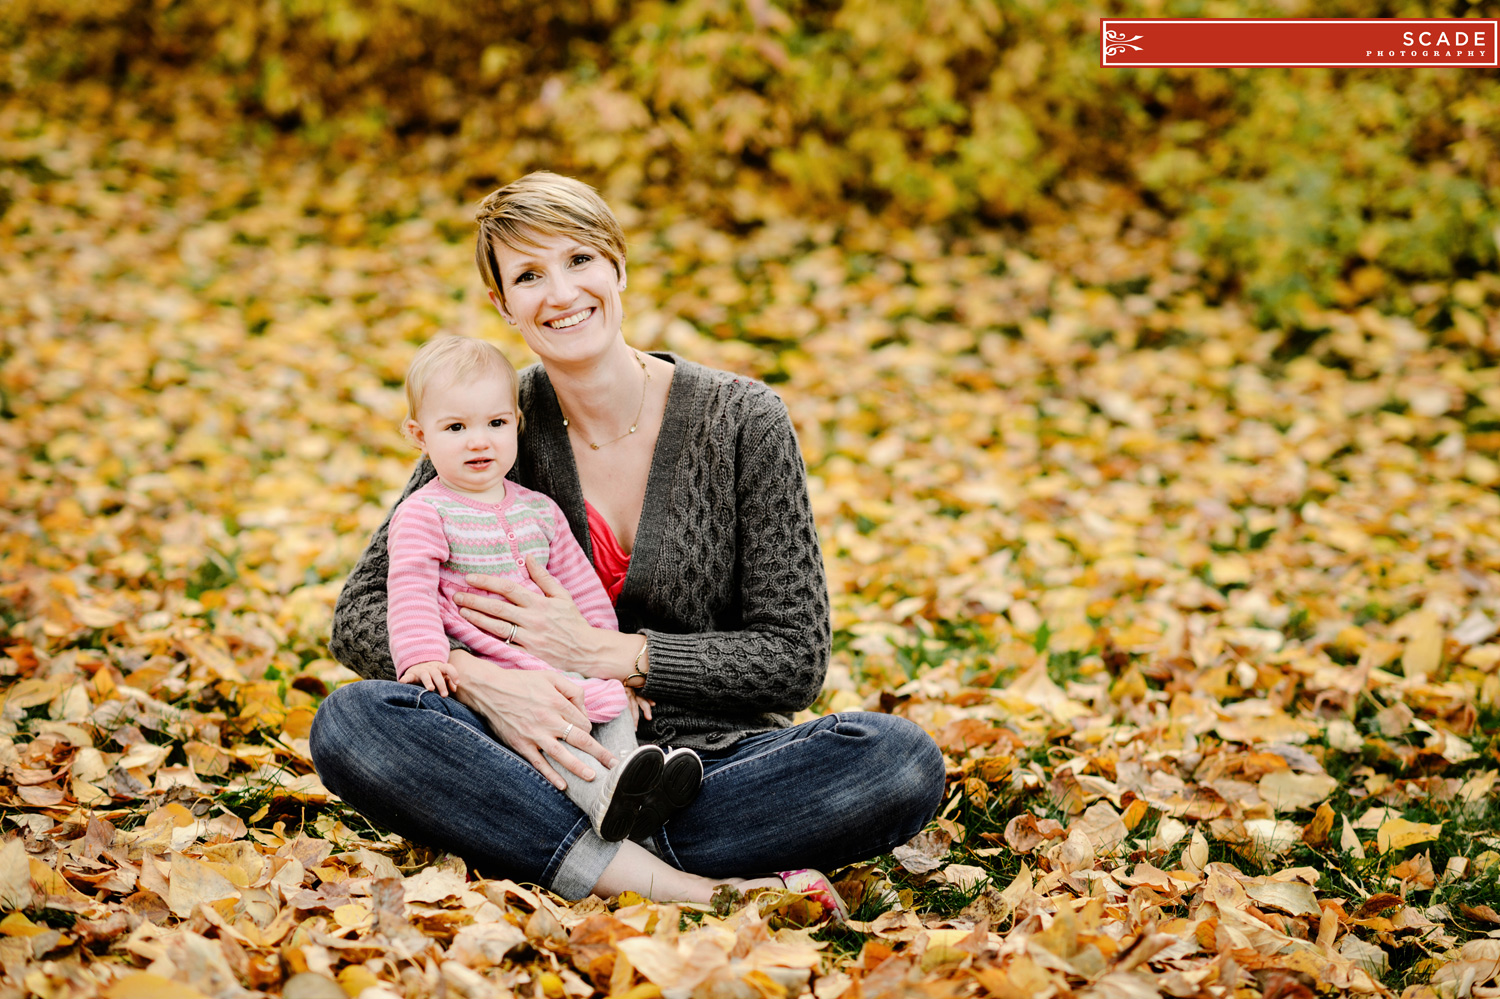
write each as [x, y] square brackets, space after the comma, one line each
[532, 712]
[547, 624]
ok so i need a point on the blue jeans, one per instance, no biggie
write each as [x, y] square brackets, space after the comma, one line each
[833, 791]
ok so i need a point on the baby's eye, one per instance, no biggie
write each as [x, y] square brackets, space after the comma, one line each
[454, 426]
[499, 421]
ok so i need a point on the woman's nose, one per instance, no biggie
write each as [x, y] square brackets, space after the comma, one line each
[560, 289]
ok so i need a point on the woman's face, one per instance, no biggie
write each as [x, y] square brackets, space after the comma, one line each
[563, 295]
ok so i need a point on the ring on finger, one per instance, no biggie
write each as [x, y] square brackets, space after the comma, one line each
[512, 636]
[567, 732]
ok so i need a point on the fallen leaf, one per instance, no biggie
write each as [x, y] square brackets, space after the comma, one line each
[15, 876]
[924, 853]
[145, 985]
[484, 945]
[1286, 791]
[1290, 897]
[1398, 834]
[193, 883]
[1424, 646]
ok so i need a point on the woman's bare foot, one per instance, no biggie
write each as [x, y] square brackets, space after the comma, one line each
[636, 869]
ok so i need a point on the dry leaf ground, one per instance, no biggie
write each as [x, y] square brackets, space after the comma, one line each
[1207, 632]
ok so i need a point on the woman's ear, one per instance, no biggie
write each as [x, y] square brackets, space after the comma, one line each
[499, 304]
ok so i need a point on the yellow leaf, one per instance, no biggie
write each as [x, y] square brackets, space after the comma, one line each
[1230, 570]
[30, 693]
[1424, 647]
[645, 990]
[145, 985]
[1134, 813]
[353, 915]
[1315, 833]
[1397, 834]
[53, 883]
[1017, 891]
[17, 925]
[356, 978]
[298, 723]
[1131, 686]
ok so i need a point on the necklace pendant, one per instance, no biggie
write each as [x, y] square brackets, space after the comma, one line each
[631, 430]
[593, 445]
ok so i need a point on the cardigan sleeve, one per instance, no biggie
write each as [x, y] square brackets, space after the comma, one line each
[417, 546]
[777, 658]
[361, 639]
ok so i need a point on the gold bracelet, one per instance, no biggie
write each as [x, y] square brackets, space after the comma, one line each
[635, 670]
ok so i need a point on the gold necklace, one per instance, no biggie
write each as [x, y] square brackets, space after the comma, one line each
[638, 410]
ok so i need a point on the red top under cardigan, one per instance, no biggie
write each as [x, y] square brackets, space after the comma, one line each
[610, 560]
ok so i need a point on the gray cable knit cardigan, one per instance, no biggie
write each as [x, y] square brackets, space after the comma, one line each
[726, 579]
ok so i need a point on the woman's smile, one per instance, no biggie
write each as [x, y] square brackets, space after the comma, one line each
[571, 320]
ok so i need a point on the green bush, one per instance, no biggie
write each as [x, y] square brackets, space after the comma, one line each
[1331, 188]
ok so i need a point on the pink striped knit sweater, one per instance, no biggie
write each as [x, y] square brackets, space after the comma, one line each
[438, 536]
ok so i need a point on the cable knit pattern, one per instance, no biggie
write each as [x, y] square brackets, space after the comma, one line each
[726, 580]
[437, 536]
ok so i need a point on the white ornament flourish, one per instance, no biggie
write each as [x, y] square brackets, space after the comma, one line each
[1117, 42]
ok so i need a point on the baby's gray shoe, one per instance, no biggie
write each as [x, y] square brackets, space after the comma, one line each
[628, 787]
[681, 778]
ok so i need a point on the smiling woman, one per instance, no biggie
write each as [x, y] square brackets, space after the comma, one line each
[685, 489]
[562, 295]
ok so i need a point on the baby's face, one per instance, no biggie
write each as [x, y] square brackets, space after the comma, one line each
[468, 429]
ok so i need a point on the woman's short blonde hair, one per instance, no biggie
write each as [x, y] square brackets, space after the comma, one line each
[454, 357]
[547, 204]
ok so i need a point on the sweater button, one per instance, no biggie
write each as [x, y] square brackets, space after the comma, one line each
[511, 535]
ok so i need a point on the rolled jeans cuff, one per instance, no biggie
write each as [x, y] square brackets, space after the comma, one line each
[583, 865]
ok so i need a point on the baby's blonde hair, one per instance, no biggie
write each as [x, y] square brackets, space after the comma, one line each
[457, 357]
[546, 204]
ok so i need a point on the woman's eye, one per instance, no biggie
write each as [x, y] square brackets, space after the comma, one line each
[581, 258]
[526, 278]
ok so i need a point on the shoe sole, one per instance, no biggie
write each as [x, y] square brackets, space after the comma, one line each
[681, 779]
[636, 787]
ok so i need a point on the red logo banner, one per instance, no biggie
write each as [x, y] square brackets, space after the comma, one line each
[1390, 41]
